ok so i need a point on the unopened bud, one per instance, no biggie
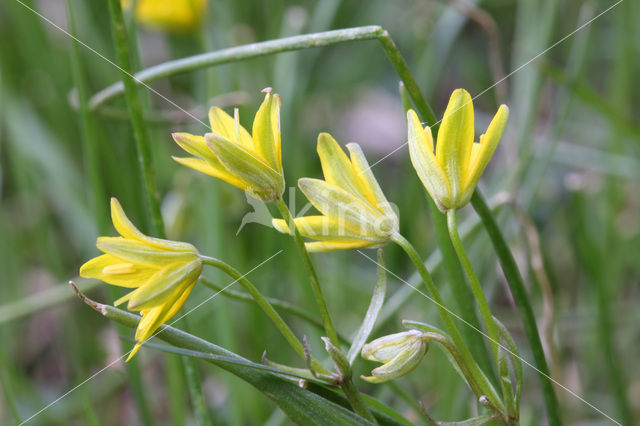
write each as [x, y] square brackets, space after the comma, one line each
[399, 353]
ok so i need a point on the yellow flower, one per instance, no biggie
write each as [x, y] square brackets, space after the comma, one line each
[230, 153]
[355, 212]
[170, 15]
[399, 354]
[451, 175]
[162, 272]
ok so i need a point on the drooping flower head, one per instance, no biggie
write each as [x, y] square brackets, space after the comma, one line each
[452, 173]
[170, 15]
[162, 272]
[399, 354]
[252, 163]
[355, 212]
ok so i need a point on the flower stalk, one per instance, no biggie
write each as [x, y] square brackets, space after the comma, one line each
[487, 388]
[474, 283]
[313, 276]
[268, 309]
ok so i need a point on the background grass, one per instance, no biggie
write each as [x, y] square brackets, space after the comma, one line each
[569, 161]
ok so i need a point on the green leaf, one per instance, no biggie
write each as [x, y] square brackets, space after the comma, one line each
[300, 405]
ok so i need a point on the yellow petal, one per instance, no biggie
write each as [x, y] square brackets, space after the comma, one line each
[333, 245]
[455, 139]
[343, 207]
[102, 268]
[368, 182]
[206, 168]
[229, 127]
[424, 162]
[266, 131]
[163, 284]
[261, 179]
[177, 305]
[323, 228]
[128, 250]
[483, 151]
[153, 318]
[337, 168]
[150, 322]
[125, 228]
[194, 145]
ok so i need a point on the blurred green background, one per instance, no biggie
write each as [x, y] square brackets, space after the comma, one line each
[564, 183]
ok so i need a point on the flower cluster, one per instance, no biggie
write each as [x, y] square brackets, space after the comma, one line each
[354, 212]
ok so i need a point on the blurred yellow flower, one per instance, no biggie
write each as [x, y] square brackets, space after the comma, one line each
[399, 354]
[355, 212]
[162, 272]
[451, 175]
[169, 15]
[230, 153]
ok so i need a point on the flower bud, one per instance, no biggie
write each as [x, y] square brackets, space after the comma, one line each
[399, 354]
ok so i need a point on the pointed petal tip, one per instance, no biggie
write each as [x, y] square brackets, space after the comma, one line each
[134, 351]
[267, 90]
[460, 92]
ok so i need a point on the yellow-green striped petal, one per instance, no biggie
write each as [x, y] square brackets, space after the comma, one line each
[424, 162]
[262, 180]
[140, 253]
[369, 184]
[483, 151]
[163, 284]
[341, 206]
[206, 168]
[334, 245]
[194, 145]
[455, 139]
[336, 167]
[324, 228]
[266, 131]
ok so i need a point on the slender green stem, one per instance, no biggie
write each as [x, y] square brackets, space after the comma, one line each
[98, 197]
[282, 305]
[516, 284]
[134, 106]
[239, 53]
[457, 357]
[395, 57]
[476, 288]
[355, 400]
[147, 174]
[200, 409]
[347, 385]
[313, 277]
[268, 309]
[484, 385]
